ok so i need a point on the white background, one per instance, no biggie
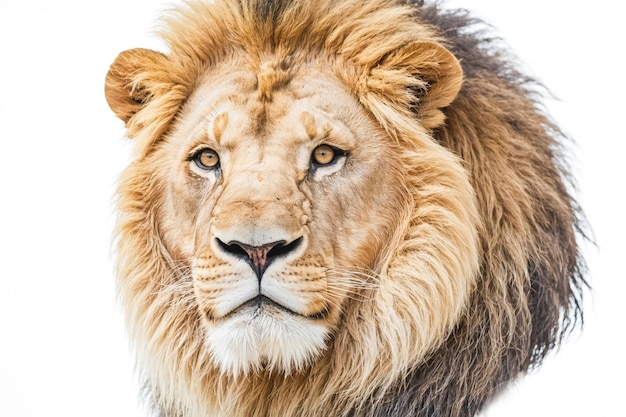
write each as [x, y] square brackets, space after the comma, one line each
[62, 345]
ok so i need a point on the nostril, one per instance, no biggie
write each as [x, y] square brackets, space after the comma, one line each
[234, 248]
[283, 248]
[260, 257]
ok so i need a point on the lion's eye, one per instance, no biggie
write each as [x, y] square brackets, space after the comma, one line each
[207, 159]
[324, 155]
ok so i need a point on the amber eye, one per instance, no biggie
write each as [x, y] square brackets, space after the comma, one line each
[207, 159]
[324, 155]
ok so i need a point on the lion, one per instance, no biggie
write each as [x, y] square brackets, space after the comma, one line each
[338, 208]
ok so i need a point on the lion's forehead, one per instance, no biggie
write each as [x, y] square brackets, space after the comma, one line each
[301, 112]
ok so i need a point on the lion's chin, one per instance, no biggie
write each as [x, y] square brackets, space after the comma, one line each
[263, 336]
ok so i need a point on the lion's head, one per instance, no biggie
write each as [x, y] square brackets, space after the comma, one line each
[300, 233]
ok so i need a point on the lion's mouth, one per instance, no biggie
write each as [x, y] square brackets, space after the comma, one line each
[263, 305]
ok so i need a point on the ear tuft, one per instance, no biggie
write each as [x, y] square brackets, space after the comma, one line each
[419, 74]
[128, 84]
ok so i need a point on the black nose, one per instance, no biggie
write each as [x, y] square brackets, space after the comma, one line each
[259, 257]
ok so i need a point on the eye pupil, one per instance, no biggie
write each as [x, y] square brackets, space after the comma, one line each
[324, 155]
[207, 159]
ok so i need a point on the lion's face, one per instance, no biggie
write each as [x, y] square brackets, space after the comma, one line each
[280, 204]
[289, 216]
[289, 213]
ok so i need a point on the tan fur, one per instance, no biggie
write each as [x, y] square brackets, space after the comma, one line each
[417, 238]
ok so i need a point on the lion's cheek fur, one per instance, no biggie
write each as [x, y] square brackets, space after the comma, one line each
[427, 282]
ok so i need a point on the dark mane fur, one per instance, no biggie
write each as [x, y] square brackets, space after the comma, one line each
[455, 381]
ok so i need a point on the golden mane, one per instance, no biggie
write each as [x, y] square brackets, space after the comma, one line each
[487, 192]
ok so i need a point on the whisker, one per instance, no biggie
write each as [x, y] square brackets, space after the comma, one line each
[355, 283]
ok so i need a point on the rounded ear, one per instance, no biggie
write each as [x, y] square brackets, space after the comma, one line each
[422, 75]
[132, 81]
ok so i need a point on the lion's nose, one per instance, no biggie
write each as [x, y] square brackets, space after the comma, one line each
[260, 257]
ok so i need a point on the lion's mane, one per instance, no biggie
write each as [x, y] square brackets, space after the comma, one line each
[527, 263]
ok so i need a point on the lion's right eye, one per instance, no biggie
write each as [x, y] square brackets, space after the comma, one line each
[325, 155]
[207, 159]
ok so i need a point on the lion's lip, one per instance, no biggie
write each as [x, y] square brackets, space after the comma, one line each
[262, 304]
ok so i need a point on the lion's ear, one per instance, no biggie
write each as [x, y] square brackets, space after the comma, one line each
[427, 70]
[133, 80]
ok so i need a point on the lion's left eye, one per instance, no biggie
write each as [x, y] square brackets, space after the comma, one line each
[325, 155]
[207, 159]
